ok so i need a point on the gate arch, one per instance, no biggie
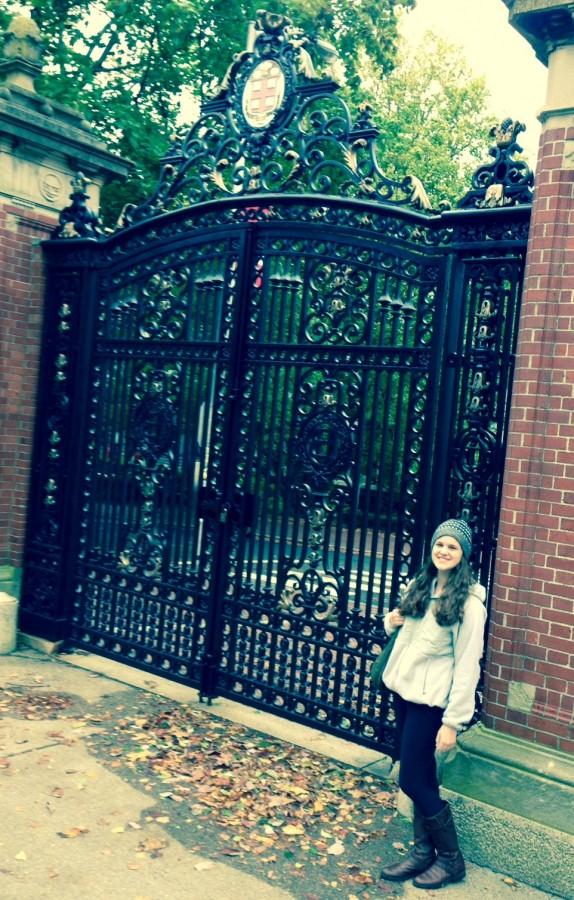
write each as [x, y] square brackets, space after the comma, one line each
[249, 389]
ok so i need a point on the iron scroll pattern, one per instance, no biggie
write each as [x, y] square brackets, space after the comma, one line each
[303, 139]
[144, 577]
[42, 585]
[322, 456]
[508, 180]
[153, 437]
[484, 367]
[331, 326]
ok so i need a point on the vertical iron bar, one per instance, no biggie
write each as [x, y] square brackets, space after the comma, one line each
[447, 326]
[210, 659]
[80, 407]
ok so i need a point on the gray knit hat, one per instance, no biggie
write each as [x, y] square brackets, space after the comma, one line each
[456, 528]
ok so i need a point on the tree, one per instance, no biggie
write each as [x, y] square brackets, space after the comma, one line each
[433, 118]
[124, 64]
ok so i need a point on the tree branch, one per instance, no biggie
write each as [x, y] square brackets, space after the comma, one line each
[99, 65]
[144, 78]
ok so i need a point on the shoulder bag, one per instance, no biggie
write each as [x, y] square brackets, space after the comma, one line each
[378, 667]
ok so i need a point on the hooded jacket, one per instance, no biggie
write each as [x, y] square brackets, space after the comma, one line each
[439, 665]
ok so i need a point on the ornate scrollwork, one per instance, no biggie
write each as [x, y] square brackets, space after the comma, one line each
[324, 447]
[276, 125]
[153, 429]
[164, 304]
[153, 433]
[312, 591]
[491, 290]
[339, 304]
[507, 181]
[322, 458]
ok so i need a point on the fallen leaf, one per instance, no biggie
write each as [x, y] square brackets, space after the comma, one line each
[152, 845]
[73, 832]
[204, 865]
[293, 829]
[336, 849]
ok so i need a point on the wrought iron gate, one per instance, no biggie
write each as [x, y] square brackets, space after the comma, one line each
[255, 407]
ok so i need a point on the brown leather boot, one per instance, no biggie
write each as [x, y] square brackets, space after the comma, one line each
[418, 859]
[448, 867]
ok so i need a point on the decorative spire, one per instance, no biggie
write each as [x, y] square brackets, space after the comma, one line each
[21, 53]
[78, 220]
[505, 182]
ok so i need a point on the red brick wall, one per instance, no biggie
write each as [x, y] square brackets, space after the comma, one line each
[531, 640]
[21, 299]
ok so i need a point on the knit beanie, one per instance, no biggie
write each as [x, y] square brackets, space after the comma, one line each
[456, 528]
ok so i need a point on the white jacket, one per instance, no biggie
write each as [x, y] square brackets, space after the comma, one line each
[439, 665]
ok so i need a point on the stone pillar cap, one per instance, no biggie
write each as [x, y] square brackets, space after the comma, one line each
[546, 24]
[21, 53]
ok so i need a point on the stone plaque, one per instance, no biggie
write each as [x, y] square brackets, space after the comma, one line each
[51, 186]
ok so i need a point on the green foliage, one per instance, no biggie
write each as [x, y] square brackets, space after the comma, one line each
[123, 64]
[351, 25]
[433, 117]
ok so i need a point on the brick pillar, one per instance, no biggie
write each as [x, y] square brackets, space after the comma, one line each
[42, 145]
[530, 665]
[21, 292]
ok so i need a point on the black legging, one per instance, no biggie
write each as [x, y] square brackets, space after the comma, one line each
[418, 726]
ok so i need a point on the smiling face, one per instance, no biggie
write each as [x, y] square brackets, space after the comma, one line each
[446, 553]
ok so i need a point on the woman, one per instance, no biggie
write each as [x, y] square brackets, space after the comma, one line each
[433, 670]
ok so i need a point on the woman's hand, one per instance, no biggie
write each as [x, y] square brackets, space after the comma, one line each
[396, 618]
[445, 739]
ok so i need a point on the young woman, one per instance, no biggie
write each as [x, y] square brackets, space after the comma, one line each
[433, 670]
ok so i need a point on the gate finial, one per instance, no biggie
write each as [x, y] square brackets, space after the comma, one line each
[508, 180]
[78, 220]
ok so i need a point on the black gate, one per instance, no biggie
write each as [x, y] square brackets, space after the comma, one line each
[261, 393]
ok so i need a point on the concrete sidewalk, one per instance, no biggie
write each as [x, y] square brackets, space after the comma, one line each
[72, 828]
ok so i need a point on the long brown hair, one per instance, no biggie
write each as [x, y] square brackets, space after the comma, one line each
[450, 605]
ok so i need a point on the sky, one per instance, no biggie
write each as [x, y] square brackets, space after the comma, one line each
[515, 78]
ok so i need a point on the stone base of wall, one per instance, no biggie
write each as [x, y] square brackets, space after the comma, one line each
[513, 804]
[10, 580]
